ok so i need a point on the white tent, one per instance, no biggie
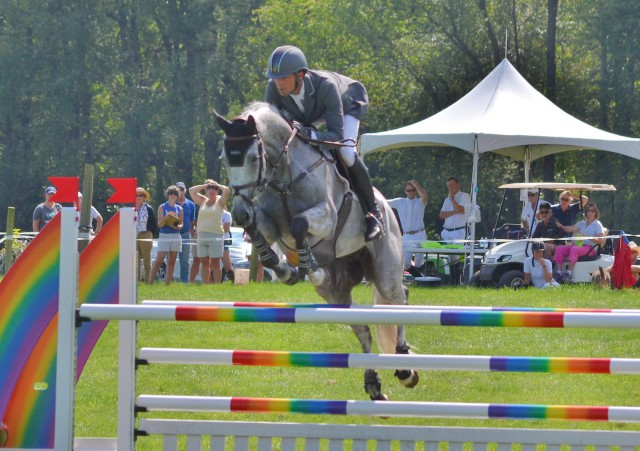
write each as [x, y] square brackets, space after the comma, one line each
[506, 115]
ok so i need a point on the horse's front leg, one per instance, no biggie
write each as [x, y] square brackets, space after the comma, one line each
[285, 272]
[315, 221]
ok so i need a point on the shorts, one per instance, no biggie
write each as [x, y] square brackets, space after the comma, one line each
[210, 244]
[169, 242]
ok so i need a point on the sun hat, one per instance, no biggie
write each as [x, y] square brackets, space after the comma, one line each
[181, 185]
[140, 190]
[50, 190]
[537, 246]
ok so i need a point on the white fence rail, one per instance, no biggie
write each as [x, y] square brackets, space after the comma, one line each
[244, 436]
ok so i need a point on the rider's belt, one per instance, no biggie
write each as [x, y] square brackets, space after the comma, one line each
[457, 228]
[413, 232]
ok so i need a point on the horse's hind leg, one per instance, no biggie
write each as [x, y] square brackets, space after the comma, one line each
[285, 272]
[394, 339]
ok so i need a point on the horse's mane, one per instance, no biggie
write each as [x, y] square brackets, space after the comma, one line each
[271, 124]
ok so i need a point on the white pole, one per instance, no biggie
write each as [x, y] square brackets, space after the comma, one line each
[127, 331]
[66, 359]
[474, 195]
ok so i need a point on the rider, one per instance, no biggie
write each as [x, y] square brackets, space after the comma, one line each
[315, 96]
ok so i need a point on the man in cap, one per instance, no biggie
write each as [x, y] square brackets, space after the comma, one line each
[45, 211]
[529, 211]
[146, 224]
[188, 230]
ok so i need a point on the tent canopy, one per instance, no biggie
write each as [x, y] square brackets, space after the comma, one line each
[506, 115]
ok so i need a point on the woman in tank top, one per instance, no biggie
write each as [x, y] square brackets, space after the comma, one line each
[210, 241]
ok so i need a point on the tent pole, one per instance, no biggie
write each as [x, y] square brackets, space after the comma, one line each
[474, 194]
[527, 163]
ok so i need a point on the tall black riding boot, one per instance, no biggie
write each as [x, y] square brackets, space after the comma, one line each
[361, 184]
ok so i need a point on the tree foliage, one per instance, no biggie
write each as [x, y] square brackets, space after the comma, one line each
[131, 86]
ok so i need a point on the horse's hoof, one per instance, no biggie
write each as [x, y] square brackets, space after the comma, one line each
[379, 397]
[294, 277]
[408, 378]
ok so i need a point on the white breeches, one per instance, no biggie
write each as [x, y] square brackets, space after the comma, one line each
[349, 153]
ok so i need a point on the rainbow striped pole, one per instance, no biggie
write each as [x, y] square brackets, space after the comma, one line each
[360, 316]
[390, 408]
[385, 306]
[389, 361]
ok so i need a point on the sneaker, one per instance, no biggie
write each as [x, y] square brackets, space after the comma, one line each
[566, 278]
[557, 277]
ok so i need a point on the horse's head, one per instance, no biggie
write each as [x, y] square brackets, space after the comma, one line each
[245, 161]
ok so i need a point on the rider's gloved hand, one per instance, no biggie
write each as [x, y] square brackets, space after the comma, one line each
[303, 132]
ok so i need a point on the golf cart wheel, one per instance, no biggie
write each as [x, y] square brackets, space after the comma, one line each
[512, 279]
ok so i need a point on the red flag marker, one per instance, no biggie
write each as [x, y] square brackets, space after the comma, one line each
[125, 191]
[66, 189]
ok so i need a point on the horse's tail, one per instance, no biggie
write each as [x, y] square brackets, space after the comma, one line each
[387, 333]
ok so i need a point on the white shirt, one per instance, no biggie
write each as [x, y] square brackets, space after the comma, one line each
[411, 214]
[529, 216]
[537, 273]
[593, 229]
[459, 219]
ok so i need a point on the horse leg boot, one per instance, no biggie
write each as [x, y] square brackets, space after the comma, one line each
[307, 264]
[286, 273]
[364, 190]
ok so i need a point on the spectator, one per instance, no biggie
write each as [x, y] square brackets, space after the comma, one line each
[565, 211]
[94, 215]
[170, 217]
[528, 216]
[452, 211]
[146, 224]
[537, 269]
[226, 255]
[187, 233]
[548, 227]
[411, 213]
[45, 211]
[635, 268]
[209, 227]
[589, 227]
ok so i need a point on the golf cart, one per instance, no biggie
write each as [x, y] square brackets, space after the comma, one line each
[502, 265]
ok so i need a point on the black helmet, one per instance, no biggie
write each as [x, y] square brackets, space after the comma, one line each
[286, 60]
[537, 246]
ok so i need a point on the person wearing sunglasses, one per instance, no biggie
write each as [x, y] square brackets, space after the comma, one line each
[567, 212]
[588, 227]
[452, 211]
[548, 227]
[528, 217]
[411, 215]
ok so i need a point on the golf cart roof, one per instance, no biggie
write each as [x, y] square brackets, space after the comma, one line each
[560, 186]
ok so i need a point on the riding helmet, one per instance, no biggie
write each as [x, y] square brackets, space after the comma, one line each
[286, 60]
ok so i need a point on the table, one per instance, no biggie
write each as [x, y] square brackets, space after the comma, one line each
[453, 265]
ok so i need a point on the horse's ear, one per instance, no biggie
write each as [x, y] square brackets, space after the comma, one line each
[251, 123]
[222, 122]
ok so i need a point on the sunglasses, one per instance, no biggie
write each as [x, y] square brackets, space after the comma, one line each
[545, 212]
[140, 195]
[410, 190]
[533, 194]
[565, 199]
[590, 210]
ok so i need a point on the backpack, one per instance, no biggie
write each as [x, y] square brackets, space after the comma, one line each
[152, 221]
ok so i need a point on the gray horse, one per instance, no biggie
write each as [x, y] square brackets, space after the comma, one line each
[289, 191]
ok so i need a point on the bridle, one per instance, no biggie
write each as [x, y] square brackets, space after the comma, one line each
[235, 157]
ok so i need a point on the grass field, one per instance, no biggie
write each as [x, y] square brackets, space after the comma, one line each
[97, 399]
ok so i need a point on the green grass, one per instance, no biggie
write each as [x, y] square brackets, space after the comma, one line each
[96, 401]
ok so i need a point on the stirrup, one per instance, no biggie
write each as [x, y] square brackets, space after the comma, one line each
[375, 228]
